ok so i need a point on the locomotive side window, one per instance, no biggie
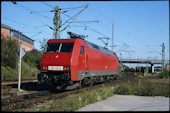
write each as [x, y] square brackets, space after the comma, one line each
[59, 47]
[82, 50]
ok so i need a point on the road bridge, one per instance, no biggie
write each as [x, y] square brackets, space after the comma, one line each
[145, 61]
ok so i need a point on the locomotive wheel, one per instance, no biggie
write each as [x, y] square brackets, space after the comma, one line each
[105, 79]
[115, 77]
[92, 82]
[108, 78]
[85, 82]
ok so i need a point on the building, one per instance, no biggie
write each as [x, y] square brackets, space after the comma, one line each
[168, 67]
[26, 42]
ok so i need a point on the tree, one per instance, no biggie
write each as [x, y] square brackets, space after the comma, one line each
[42, 44]
[8, 52]
[33, 58]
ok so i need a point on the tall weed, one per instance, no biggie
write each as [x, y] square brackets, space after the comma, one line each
[144, 87]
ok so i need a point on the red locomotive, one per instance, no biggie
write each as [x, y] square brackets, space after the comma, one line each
[69, 61]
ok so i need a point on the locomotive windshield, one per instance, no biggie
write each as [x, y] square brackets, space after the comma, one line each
[59, 47]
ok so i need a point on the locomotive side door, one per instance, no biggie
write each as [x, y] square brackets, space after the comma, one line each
[86, 53]
[86, 62]
[83, 59]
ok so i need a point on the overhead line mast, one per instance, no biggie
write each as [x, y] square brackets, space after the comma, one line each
[162, 53]
[57, 22]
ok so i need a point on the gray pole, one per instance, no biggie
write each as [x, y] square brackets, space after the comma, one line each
[112, 31]
[163, 55]
[19, 65]
[120, 70]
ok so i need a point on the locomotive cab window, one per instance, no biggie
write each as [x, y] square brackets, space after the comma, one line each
[82, 50]
[59, 47]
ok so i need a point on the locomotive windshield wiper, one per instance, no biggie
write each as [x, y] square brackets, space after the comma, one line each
[60, 47]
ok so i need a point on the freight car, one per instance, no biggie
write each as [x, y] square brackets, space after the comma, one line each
[69, 61]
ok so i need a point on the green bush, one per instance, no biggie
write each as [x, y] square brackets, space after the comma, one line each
[164, 74]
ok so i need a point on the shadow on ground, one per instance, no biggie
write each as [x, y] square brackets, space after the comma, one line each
[31, 86]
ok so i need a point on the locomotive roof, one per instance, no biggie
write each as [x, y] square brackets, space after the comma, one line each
[60, 40]
[91, 45]
[99, 48]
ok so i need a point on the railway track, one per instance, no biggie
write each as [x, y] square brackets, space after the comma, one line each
[28, 100]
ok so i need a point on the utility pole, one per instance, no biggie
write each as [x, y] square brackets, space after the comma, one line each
[112, 31]
[57, 22]
[163, 55]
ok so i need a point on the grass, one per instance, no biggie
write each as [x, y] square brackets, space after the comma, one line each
[74, 102]
[7, 73]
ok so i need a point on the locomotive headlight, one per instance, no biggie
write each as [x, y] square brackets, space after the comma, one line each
[43, 67]
[66, 68]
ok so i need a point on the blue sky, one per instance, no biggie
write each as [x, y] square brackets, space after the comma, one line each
[139, 26]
